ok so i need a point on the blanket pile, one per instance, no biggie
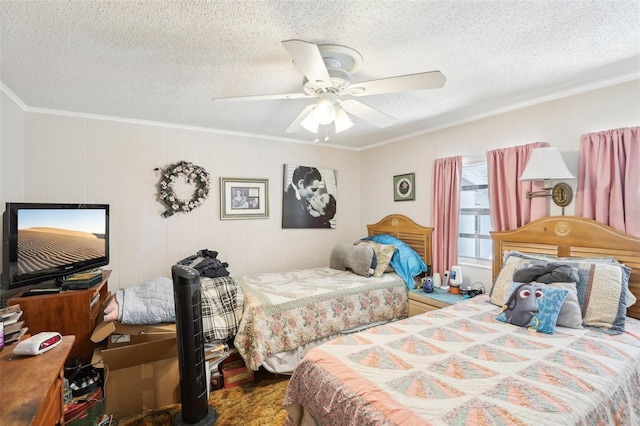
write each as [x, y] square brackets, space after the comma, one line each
[152, 302]
[148, 303]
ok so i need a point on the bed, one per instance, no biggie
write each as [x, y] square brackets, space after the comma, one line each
[275, 318]
[462, 365]
[285, 314]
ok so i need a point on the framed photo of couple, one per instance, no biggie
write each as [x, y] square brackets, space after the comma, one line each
[309, 197]
[244, 198]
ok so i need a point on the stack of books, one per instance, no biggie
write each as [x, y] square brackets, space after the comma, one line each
[82, 280]
[214, 354]
[12, 328]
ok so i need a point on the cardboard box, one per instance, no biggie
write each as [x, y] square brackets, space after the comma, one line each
[136, 333]
[118, 334]
[141, 377]
[236, 373]
[141, 366]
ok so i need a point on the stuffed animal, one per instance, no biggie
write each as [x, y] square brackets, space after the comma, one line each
[522, 305]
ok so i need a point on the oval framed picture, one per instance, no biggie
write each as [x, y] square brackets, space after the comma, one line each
[404, 187]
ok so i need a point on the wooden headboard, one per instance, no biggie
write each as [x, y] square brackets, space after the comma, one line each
[571, 236]
[416, 236]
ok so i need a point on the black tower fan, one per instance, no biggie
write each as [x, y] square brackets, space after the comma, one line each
[193, 378]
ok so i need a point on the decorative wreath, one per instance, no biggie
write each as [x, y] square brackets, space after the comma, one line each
[191, 173]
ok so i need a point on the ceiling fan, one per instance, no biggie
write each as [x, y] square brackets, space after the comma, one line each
[327, 70]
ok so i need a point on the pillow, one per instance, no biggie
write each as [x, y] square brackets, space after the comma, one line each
[602, 288]
[384, 253]
[570, 315]
[502, 286]
[525, 298]
[405, 260]
[359, 259]
[551, 258]
[602, 293]
[571, 311]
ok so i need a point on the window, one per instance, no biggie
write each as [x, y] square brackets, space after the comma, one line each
[474, 240]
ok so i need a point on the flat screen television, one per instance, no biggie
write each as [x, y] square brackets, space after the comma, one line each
[48, 241]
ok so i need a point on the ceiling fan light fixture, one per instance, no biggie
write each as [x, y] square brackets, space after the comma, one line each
[324, 112]
[327, 70]
[310, 123]
[342, 121]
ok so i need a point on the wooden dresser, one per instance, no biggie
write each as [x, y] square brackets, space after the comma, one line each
[73, 312]
[31, 390]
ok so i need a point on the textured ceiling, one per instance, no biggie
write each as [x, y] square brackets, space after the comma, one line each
[163, 61]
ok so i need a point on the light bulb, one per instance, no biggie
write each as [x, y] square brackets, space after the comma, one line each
[324, 113]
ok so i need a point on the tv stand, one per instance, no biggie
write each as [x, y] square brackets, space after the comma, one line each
[69, 312]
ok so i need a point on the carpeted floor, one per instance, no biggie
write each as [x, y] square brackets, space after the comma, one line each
[258, 403]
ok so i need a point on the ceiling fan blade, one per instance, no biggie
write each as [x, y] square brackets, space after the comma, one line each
[402, 83]
[308, 58]
[371, 115]
[296, 126]
[265, 97]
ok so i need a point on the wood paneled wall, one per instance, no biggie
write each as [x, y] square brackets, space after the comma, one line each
[77, 159]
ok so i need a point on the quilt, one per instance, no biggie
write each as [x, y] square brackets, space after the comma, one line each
[283, 311]
[460, 366]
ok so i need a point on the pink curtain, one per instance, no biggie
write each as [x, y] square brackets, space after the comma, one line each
[609, 179]
[508, 201]
[445, 212]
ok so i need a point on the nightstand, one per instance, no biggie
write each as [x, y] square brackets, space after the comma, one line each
[420, 302]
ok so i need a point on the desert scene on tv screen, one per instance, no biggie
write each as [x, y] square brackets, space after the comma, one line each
[68, 238]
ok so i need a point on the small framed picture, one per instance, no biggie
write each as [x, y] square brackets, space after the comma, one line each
[404, 187]
[244, 198]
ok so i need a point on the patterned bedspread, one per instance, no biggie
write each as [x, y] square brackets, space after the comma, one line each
[283, 311]
[460, 366]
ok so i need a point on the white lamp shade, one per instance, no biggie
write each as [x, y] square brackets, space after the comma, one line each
[325, 112]
[342, 121]
[546, 164]
[310, 123]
